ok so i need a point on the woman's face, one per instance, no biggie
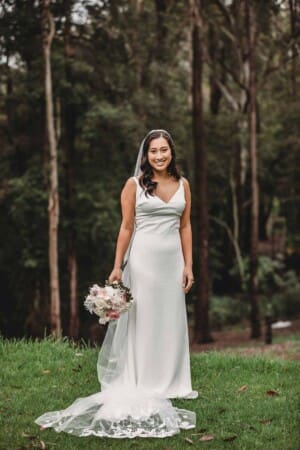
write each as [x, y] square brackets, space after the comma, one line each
[159, 154]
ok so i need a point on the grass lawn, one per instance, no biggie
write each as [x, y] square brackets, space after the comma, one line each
[233, 405]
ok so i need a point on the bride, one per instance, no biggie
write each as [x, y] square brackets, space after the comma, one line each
[144, 360]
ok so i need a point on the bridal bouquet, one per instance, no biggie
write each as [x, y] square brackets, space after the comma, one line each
[108, 301]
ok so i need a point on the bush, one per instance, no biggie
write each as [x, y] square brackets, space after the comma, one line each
[225, 310]
[283, 305]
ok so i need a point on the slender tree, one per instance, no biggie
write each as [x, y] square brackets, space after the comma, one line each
[161, 50]
[202, 327]
[48, 32]
[252, 127]
[295, 30]
[229, 72]
[69, 135]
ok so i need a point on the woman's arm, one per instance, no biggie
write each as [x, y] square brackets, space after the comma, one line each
[186, 239]
[127, 225]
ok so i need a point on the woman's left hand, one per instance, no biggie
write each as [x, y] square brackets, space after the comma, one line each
[187, 279]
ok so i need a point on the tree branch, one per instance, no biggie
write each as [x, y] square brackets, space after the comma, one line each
[234, 243]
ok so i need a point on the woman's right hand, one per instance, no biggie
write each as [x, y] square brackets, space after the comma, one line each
[116, 275]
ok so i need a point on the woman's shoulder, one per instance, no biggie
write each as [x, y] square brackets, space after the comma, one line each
[131, 181]
[185, 180]
[130, 185]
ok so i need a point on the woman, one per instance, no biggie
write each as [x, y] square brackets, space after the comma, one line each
[144, 359]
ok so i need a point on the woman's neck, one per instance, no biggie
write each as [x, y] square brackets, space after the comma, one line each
[161, 176]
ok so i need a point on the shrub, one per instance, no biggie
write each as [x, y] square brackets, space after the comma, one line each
[226, 310]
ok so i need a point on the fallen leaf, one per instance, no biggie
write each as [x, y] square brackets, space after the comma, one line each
[189, 440]
[242, 388]
[266, 421]
[42, 445]
[207, 437]
[230, 438]
[272, 392]
[5, 408]
[45, 371]
[77, 369]
[78, 354]
[29, 436]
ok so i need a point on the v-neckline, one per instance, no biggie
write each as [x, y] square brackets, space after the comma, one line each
[166, 203]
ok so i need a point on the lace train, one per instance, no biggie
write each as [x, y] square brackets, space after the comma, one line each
[120, 413]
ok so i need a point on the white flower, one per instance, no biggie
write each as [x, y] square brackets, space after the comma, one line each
[94, 290]
[109, 291]
[103, 320]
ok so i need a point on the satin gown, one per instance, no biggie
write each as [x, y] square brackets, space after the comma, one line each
[159, 346]
[145, 359]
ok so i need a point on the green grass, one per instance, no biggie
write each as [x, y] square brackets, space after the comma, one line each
[36, 377]
[295, 337]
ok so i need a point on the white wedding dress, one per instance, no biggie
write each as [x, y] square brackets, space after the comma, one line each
[144, 360]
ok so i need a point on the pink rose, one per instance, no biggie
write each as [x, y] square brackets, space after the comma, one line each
[113, 315]
[122, 298]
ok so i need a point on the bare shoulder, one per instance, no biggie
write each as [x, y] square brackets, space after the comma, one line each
[187, 190]
[185, 183]
[129, 188]
[130, 183]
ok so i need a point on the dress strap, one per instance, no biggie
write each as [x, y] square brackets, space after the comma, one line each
[136, 180]
[138, 187]
[139, 190]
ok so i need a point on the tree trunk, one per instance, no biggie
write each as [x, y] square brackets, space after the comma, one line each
[48, 30]
[240, 177]
[294, 31]
[161, 53]
[215, 94]
[69, 134]
[201, 327]
[74, 306]
[251, 28]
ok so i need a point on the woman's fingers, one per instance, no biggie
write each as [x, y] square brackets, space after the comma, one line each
[187, 282]
[116, 275]
[111, 278]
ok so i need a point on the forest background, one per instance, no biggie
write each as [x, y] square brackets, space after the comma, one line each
[222, 77]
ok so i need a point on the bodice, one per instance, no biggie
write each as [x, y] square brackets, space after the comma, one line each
[154, 215]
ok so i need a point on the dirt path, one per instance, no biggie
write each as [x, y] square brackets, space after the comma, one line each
[237, 340]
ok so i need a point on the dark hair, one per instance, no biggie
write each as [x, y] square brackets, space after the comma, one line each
[145, 180]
